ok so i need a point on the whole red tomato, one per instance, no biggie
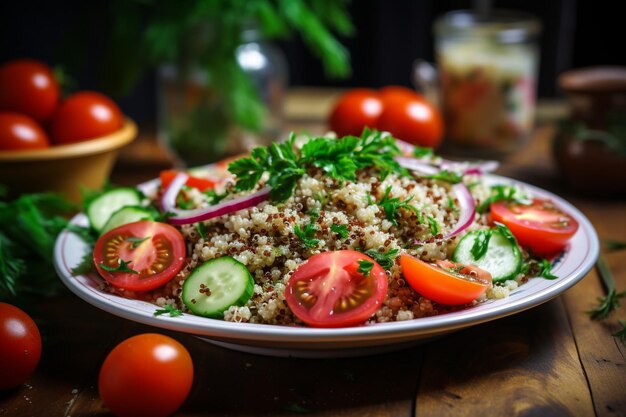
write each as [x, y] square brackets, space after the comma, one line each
[18, 131]
[411, 118]
[28, 86]
[20, 346]
[146, 375]
[355, 110]
[85, 115]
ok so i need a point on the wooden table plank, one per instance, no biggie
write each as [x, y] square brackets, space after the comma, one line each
[526, 364]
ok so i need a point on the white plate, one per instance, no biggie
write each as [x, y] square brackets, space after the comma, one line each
[572, 266]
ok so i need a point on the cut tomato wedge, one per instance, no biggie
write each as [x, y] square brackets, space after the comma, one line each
[329, 291]
[140, 256]
[541, 227]
[445, 282]
[201, 184]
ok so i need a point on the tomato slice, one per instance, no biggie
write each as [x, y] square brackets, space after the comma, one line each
[541, 227]
[445, 282]
[328, 290]
[201, 184]
[155, 252]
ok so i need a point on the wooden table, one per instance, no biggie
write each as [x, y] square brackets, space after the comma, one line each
[549, 361]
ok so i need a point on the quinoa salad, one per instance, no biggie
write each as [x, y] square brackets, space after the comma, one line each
[400, 212]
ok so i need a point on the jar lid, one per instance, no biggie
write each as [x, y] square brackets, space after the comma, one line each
[594, 79]
[503, 26]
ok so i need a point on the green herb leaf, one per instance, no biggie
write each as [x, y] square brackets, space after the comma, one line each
[86, 265]
[434, 226]
[606, 305]
[621, 333]
[421, 152]
[122, 267]
[506, 232]
[214, 196]
[365, 267]
[391, 206]
[447, 176]
[307, 235]
[545, 269]
[201, 229]
[136, 241]
[452, 205]
[481, 244]
[340, 229]
[501, 192]
[615, 245]
[168, 309]
[385, 260]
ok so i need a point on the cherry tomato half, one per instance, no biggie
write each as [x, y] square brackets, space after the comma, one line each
[445, 282]
[541, 227]
[20, 132]
[148, 375]
[411, 118]
[28, 86]
[20, 346]
[355, 110]
[85, 115]
[154, 251]
[201, 184]
[328, 291]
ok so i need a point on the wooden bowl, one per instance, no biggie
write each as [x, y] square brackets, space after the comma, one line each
[64, 168]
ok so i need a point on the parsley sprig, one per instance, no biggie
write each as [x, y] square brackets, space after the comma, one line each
[392, 205]
[340, 229]
[365, 267]
[500, 192]
[121, 267]
[481, 243]
[307, 235]
[339, 159]
[386, 260]
[168, 309]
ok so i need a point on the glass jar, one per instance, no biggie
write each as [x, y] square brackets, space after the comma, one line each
[193, 122]
[488, 70]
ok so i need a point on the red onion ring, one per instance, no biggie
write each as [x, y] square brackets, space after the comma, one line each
[467, 207]
[168, 204]
[418, 165]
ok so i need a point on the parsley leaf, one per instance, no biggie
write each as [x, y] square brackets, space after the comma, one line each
[214, 196]
[445, 175]
[201, 229]
[434, 226]
[545, 269]
[506, 233]
[340, 229]
[122, 267]
[481, 243]
[501, 192]
[136, 241]
[391, 205]
[307, 235]
[421, 152]
[452, 205]
[365, 267]
[385, 260]
[168, 309]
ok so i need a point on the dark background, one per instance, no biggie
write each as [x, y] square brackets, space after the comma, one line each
[391, 34]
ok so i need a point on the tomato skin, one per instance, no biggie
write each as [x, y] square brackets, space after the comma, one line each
[146, 375]
[321, 292]
[20, 132]
[355, 110]
[411, 118]
[439, 285]
[541, 227]
[201, 184]
[163, 251]
[28, 86]
[20, 346]
[83, 116]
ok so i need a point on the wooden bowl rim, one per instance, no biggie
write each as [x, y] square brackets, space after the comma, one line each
[102, 144]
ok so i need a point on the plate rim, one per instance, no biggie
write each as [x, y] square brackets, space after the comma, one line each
[382, 332]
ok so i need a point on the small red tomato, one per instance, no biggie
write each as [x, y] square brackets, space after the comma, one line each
[411, 118]
[20, 346]
[20, 132]
[28, 86]
[148, 375]
[85, 115]
[355, 110]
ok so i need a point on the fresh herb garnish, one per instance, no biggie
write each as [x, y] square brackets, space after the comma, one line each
[501, 192]
[201, 229]
[136, 241]
[481, 243]
[391, 205]
[506, 232]
[621, 333]
[609, 303]
[307, 235]
[386, 260]
[121, 267]
[545, 269]
[215, 197]
[434, 226]
[183, 202]
[168, 309]
[365, 267]
[452, 205]
[421, 152]
[615, 245]
[339, 159]
[445, 175]
[340, 229]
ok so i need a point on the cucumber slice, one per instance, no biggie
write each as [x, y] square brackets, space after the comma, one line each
[100, 209]
[216, 285]
[128, 214]
[503, 259]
